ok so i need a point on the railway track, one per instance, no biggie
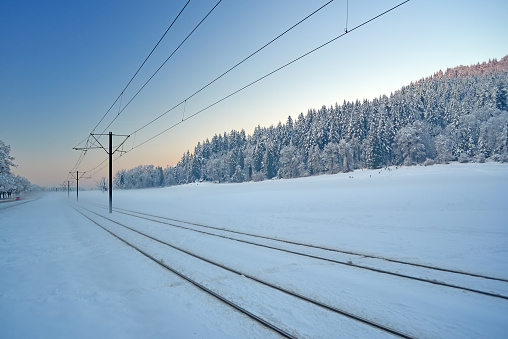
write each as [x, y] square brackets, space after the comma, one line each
[253, 279]
[394, 271]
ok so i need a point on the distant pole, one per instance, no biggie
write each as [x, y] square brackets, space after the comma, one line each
[68, 188]
[110, 172]
[77, 185]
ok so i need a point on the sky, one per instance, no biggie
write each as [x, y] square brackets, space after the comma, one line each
[64, 63]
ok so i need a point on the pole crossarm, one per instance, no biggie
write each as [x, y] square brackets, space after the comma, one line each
[85, 148]
[93, 135]
[110, 153]
[77, 177]
[104, 148]
[74, 176]
[117, 149]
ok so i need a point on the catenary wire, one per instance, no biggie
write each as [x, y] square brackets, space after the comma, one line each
[135, 74]
[83, 153]
[267, 75]
[347, 14]
[259, 79]
[158, 69]
[229, 70]
[80, 159]
[211, 82]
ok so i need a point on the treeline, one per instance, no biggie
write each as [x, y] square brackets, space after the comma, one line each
[434, 120]
[492, 66]
[10, 183]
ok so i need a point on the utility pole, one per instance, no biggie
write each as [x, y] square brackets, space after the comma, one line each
[110, 153]
[110, 172]
[77, 177]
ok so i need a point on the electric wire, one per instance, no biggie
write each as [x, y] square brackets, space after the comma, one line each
[347, 14]
[93, 171]
[267, 75]
[135, 74]
[202, 88]
[80, 159]
[164, 63]
[82, 141]
[78, 162]
[87, 139]
[238, 64]
[248, 85]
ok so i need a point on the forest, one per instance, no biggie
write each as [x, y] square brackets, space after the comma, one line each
[10, 183]
[457, 115]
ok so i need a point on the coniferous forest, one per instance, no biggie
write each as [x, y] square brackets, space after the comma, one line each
[457, 115]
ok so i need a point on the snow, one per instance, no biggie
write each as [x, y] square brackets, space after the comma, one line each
[62, 276]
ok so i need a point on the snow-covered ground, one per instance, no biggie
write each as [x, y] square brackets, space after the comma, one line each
[63, 276]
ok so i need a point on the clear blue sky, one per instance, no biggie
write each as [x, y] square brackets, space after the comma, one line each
[63, 63]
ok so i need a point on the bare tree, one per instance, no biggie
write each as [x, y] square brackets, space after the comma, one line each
[102, 184]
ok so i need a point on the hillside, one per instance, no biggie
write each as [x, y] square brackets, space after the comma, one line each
[492, 66]
[460, 115]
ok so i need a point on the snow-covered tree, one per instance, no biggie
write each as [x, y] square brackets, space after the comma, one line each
[346, 154]
[331, 158]
[5, 159]
[460, 114]
[290, 162]
[410, 146]
[443, 146]
[10, 183]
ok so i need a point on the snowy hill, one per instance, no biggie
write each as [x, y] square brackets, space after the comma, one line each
[366, 209]
[459, 116]
[63, 276]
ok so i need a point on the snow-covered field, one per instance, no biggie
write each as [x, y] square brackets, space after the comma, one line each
[63, 276]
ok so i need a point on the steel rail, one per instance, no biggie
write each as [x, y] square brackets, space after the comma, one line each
[347, 263]
[321, 247]
[279, 288]
[242, 310]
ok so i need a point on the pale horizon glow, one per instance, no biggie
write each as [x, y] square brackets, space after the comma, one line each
[64, 64]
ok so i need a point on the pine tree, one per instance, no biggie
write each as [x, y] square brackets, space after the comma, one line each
[459, 114]
[269, 164]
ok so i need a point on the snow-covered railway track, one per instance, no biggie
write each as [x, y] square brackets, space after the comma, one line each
[286, 330]
[466, 281]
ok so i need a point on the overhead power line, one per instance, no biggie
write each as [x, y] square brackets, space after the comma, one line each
[265, 76]
[248, 85]
[83, 151]
[135, 74]
[229, 70]
[95, 170]
[80, 160]
[164, 63]
[151, 52]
